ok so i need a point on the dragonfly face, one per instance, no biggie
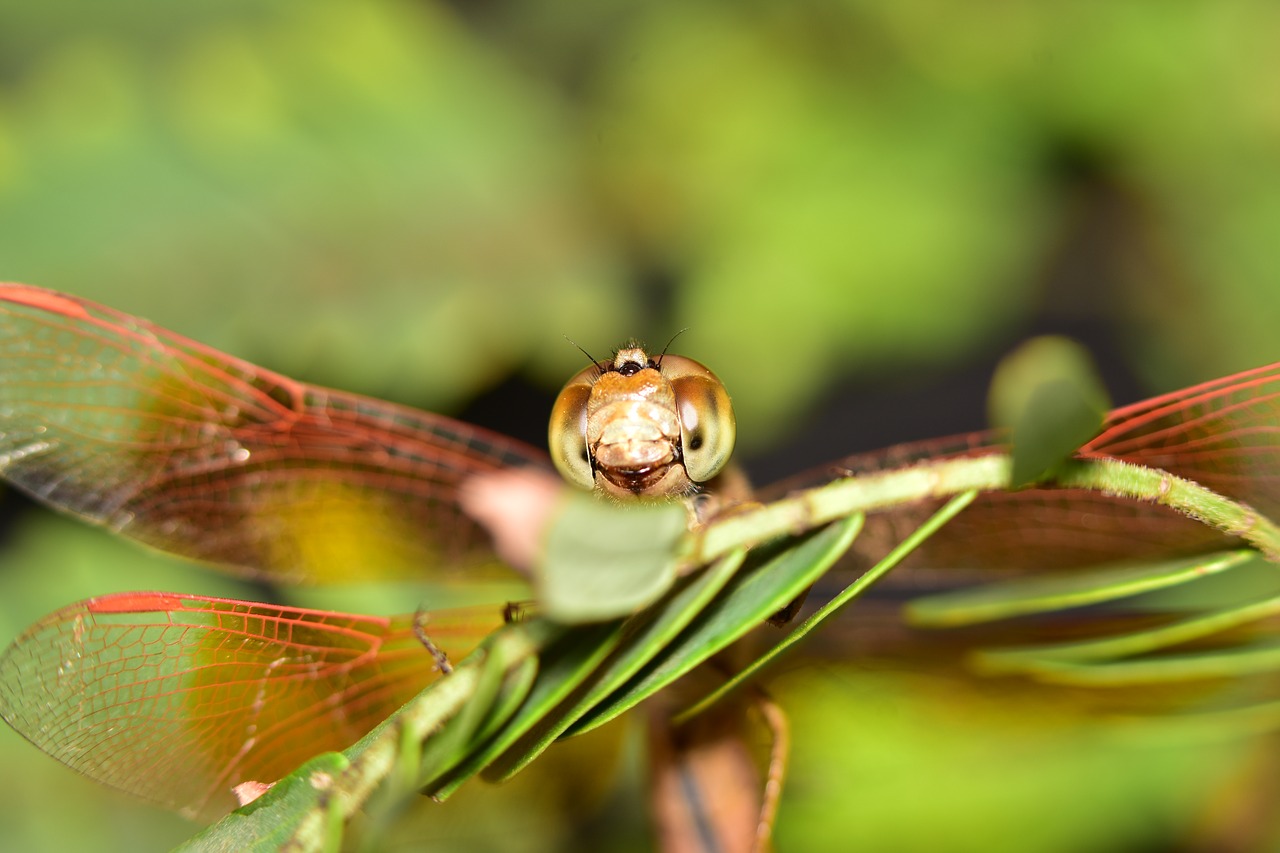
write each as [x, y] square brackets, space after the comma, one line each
[639, 426]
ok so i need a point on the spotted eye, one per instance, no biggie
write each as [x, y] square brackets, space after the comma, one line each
[707, 427]
[567, 433]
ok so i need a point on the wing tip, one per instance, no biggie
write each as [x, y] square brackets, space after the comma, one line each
[39, 297]
[134, 602]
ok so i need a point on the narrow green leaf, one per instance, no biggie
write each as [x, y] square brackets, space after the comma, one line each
[1008, 599]
[451, 743]
[520, 683]
[1226, 663]
[644, 636]
[829, 609]
[771, 578]
[1130, 644]
[564, 666]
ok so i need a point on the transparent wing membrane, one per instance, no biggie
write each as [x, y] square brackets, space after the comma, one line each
[178, 698]
[201, 454]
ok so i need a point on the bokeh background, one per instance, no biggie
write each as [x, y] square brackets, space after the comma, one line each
[854, 207]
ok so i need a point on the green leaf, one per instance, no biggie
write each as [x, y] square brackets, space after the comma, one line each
[1136, 643]
[604, 560]
[644, 636]
[564, 666]
[489, 707]
[1048, 396]
[1079, 588]
[864, 582]
[1234, 662]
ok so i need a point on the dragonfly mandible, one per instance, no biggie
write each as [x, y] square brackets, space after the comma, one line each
[195, 452]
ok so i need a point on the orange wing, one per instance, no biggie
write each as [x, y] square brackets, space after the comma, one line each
[195, 452]
[178, 698]
[1223, 434]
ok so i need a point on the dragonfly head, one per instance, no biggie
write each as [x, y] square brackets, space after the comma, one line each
[639, 426]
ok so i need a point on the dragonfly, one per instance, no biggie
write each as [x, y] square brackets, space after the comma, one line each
[179, 698]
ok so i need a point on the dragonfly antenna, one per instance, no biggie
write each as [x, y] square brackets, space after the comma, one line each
[581, 350]
[669, 343]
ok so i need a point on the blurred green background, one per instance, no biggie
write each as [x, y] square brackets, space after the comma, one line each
[855, 208]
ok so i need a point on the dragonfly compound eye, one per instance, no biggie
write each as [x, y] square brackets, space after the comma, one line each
[567, 432]
[707, 426]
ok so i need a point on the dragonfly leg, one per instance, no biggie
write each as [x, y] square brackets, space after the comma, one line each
[775, 720]
[420, 631]
[517, 611]
[784, 616]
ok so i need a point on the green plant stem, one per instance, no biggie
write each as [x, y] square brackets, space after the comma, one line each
[812, 508]
[868, 493]
[1121, 479]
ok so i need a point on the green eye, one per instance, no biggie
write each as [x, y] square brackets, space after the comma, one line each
[707, 427]
[567, 435]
